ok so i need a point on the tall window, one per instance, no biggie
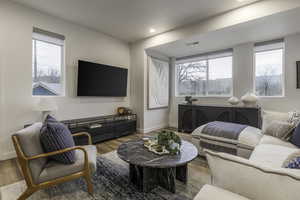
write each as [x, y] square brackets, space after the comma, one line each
[205, 75]
[47, 63]
[269, 56]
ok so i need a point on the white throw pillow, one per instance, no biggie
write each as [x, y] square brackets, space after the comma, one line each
[279, 129]
[270, 116]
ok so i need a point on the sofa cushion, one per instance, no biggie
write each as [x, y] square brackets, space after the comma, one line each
[55, 169]
[295, 139]
[209, 192]
[267, 139]
[56, 136]
[279, 129]
[29, 139]
[252, 180]
[270, 116]
[271, 155]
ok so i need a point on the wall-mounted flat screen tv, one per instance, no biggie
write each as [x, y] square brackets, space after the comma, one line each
[101, 80]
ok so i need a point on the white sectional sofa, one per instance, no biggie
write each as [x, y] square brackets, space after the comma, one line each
[261, 177]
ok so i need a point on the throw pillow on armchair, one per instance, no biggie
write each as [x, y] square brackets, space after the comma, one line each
[56, 136]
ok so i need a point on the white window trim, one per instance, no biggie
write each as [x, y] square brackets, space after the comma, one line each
[283, 73]
[207, 77]
[63, 68]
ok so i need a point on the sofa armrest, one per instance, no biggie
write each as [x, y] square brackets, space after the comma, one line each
[252, 180]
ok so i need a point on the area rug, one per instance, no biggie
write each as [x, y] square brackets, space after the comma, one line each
[110, 183]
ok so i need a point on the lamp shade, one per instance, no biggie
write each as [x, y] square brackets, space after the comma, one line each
[46, 104]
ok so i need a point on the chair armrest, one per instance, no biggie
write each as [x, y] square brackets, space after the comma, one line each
[84, 134]
[250, 179]
[44, 155]
[24, 160]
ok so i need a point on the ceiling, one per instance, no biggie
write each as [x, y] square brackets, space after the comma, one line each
[131, 20]
[267, 28]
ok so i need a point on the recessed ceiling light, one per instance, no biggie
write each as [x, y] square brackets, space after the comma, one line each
[241, 0]
[152, 30]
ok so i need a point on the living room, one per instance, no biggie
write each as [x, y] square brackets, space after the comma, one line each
[222, 42]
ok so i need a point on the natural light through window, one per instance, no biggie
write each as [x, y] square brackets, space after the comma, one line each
[220, 76]
[269, 70]
[47, 65]
[206, 75]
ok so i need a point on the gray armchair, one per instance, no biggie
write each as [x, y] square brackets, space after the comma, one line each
[39, 173]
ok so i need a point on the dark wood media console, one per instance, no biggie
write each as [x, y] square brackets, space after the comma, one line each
[103, 128]
[191, 117]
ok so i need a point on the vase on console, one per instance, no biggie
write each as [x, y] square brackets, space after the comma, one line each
[249, 99]
[234, 101]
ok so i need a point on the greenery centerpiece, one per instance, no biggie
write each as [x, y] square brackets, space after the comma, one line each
[165, 142]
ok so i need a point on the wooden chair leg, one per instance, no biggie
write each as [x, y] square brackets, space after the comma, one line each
[28, 192]
[89, 184]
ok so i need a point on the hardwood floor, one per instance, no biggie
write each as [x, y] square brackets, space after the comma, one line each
[112, 145]
[10, 173]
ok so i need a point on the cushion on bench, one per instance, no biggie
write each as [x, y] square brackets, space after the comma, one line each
[247, 140]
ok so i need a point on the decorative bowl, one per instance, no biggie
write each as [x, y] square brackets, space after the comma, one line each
[234, 101]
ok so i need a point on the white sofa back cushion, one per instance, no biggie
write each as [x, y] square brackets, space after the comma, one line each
[271, 155]
[267, 139]
[270, 116]
[253, 180]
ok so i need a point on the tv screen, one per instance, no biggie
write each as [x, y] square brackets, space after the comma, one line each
[101, 80]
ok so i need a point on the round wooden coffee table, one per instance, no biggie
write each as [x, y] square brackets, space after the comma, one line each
[148, 170]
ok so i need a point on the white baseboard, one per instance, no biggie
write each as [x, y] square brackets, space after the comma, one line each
[148, 130]
[8, 155]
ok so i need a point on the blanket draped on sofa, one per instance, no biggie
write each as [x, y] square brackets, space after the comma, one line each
[217, 131]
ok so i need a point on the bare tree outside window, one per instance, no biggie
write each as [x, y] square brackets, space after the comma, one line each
[191, 78]
[205, 77]
[269, 73]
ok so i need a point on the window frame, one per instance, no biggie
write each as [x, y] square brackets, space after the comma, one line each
[62, 64]
[283, 71]
[207, 79]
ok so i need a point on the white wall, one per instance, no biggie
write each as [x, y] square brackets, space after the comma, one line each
[243, 73]
[148, 120]
[16, 101]
[151, 119]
